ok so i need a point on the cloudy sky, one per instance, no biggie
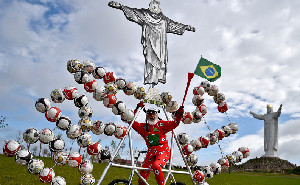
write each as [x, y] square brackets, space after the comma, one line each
[255, 42]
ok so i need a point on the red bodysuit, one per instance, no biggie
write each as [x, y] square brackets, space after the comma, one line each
[158, 149]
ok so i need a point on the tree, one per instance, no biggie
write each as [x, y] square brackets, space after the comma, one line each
[45, 152]
[2, 122]
[113, 145]
[34, 149]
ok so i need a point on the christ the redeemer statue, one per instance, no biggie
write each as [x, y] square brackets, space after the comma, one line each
[155, 26]
[270, 130]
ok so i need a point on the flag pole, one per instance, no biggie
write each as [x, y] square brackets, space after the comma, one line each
[190, 76]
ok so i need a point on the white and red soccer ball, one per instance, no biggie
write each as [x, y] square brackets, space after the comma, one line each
[109, 77]
[245, 151]
[187, 118]
[222, 107]
[198, 176]
[91, 85]
[46, 175]
[74, 159]
[198, 100]
[121, 132]
[88, 66]
[187, 149]
[199, 90]
[205, 141]
[11, 148]
[110, 100]
[71, 92]
[202, 108]
[94, 148]
[85, 167]
[98, 127]
[224, 163]
[220, 133]
[53, 114]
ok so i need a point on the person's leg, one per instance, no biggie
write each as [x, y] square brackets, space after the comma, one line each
[145, 174]
[157, 165]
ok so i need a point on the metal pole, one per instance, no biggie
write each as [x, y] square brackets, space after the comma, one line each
[118, 148]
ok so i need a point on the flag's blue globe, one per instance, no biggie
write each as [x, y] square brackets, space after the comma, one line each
[210, 71]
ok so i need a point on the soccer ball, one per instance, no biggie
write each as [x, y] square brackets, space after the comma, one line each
[74, 159]
[197, 116]
[220, 97]
[57, 96]
[85, 124]
[130, 88]
[140, 93]
[238, 155]
[166, 97]
[81, 101]
[121, 83]
[58, 180]
[213, 90]
[104, 155]
[53, 114]
[222, 107]
[227, 130]
[91, 85]
[85, 167]
[198, 176]
[70, 92]
[84, 139]
[172, 106]
[42, 105]
[196, 144]
[187, 118]
[119, 108]
[35, 166]
[220, 133]
[23, 157]
[85, 111]
[11, 148]
[204, 141]
[231, 159]
[81, 77]
[183, 138]
[212, 137]
[199, 90]
[99, 93]
[198, 100]
[187, 149]
[88, 66]
[245, 151]
[60, 158]
[109, 100]
[94, 148]
[121, 132]
[192, 160]
[216, 167]
[127, 116]
[31, 135]
[56, 145]
[205, 85]
[98, 127]
[99, 72]
[46, 175]
[202, 108]
[224, 163]
[87, 179]
[234, 127]
[110, 88]
[110, 129]
[46, 135]
[63, 122]
[109, 77]
[208, 172]
[73, 66]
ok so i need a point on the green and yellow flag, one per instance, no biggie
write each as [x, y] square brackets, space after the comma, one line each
[208, 70]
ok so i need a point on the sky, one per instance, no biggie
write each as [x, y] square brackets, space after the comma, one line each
[256, 43]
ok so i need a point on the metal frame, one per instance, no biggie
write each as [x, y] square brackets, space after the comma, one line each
[133, 165]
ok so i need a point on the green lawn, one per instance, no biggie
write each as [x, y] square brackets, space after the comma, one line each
[12, 173]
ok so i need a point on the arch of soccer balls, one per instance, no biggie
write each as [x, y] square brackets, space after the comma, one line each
[107, 94]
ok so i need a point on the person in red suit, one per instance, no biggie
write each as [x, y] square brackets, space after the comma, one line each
[154, 133]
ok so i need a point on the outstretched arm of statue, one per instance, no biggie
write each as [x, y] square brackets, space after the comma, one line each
[278, 111]
[257, 116]
[114, 4]
[190, 28]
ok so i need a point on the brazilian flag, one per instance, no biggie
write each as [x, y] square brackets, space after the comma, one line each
[208, 70]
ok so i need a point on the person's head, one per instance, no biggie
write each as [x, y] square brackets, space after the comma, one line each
[154, 6]
[269, 108]
[152, 116]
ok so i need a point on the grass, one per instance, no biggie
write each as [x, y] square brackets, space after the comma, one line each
[12, 173]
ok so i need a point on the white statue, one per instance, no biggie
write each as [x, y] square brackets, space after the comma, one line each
[270, 130]
[155, 26]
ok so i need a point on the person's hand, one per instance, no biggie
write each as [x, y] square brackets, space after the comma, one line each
[141, 104]
[114, 4]
[190, 28]
[180, 111]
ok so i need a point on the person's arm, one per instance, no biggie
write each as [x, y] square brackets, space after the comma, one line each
[257, 116]
[170, 125]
